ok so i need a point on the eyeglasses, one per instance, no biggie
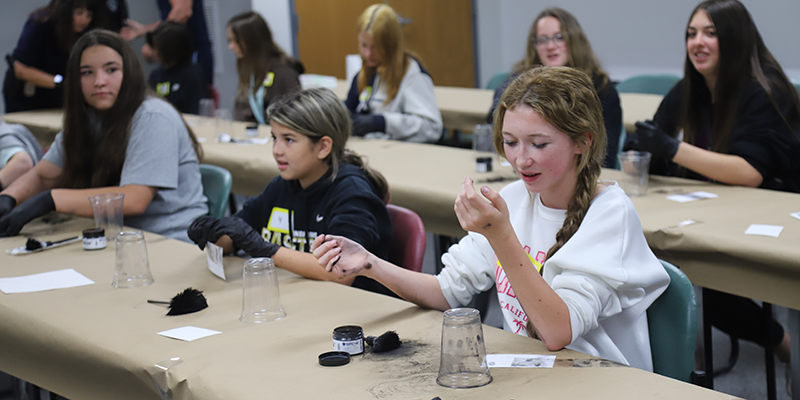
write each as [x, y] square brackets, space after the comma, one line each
[543, 41]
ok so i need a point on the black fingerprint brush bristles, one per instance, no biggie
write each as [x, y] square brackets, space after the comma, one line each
[186, 302]
[383, 343]
[189, 301]
[33, 244]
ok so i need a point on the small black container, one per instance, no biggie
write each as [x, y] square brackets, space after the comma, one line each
[94, 239]
[349, 338]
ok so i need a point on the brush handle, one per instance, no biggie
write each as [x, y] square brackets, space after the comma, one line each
[157, 302]
[75, 238]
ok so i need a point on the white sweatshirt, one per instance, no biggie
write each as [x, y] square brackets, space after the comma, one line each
[606, 273]
[413, 114]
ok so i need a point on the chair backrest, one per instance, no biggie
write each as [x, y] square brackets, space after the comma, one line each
[796, 85]
[497, 80]
[217, 182]
[408, 238]
[649, 84]
[672, 320]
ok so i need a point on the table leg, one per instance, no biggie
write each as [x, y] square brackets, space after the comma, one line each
[708, 353]
[794, 332]
[769, 356]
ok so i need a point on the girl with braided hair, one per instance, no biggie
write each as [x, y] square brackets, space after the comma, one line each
[567, 252]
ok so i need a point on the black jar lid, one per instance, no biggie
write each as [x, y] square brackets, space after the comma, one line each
[334, 358]
[94, 233]
[348, 332]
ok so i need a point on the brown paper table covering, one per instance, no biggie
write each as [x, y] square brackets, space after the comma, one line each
[463, 108]
[98, 342]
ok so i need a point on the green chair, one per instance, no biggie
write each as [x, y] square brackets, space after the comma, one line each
[672, 320]
[497, 80]
[217, 183]
[648, 84]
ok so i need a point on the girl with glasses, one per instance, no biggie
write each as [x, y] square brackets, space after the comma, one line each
[556, 39]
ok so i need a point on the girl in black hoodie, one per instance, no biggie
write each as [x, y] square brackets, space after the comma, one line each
[323, 188]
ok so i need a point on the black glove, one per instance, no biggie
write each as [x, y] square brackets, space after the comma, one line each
[203, 230]
[36, 206]
[649, 137]
[7, 204]
[245, 237]
[367, 123]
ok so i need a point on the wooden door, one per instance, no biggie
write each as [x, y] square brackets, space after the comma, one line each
[440, 32]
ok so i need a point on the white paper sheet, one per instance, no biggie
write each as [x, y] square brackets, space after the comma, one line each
[699, 195]
[520, 360]
[214, 257]
[795, 215]
[189, 333]
[764, 230]
[61, 279]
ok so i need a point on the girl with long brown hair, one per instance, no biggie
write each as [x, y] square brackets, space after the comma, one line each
[556, 39]
[392, 96]
[734, 119]
[567, 252]
[265, 70]
[116, 139]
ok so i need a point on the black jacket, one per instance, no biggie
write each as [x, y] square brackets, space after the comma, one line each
[347, 206]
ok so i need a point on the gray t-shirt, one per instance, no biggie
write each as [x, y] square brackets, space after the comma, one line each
[159, 154]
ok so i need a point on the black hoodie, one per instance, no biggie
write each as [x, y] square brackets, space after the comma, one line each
[347, 206]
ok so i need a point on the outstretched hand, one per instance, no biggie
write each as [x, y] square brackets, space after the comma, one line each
[475, 214]
[342, 256]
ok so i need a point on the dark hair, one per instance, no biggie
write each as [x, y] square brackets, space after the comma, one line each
[60, 12]
[172, 42]
[89, 161]
[743, 57]
[259, 52]
[316, 113]
[579, 50]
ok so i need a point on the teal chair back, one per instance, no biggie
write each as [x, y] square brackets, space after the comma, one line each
[796, 86]
[648, 84]
[217, 182]
[497, 80]
[672, 319]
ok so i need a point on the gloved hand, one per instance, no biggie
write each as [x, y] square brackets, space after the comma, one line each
[203, 230]
[36, 206]
[7, 204]
[649, 137]
[367, 123]
[245, 237]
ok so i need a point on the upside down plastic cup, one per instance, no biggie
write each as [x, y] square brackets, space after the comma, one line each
[107, 210]
[261, 297]
[636, 166]
[131, 268]
[463, 361]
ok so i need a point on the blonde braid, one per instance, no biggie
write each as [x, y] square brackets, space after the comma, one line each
[577, 208]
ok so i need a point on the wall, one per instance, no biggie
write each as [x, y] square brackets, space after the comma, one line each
[278, 16]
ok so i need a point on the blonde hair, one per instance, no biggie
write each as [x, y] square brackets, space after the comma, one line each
[380, 22]
[317, 113]
[566, 99]
[579, 51]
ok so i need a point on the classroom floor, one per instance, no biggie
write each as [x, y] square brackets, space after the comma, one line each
[746, 380]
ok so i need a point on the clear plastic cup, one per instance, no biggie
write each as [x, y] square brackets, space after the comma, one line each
[132, 268]
[636, 168]
[107, 210]
[261, 297]
[463, 359]
[224, 121]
